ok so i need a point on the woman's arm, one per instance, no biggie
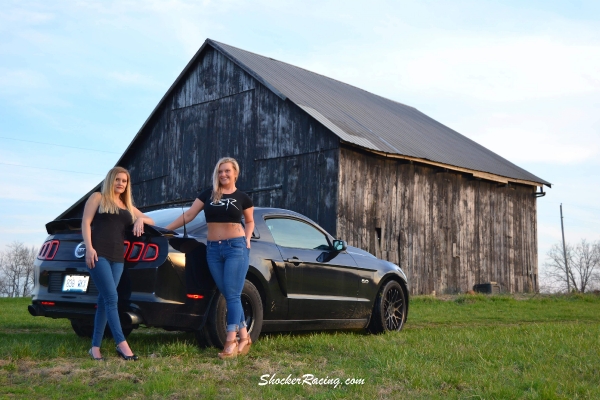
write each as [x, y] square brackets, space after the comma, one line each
[91, 206]
[249, 222]
[141, 219]
[189, 215]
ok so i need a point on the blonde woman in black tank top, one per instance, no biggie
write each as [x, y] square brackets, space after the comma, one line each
[110, 213]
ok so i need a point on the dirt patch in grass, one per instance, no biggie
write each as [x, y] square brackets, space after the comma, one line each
[59, 370]
[287, 361]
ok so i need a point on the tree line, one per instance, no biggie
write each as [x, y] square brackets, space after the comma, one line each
[16, 270]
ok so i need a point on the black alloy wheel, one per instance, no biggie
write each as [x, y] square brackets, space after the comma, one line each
[389, 311]
[394, 308]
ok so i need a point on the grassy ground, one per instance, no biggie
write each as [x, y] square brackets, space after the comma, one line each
[465, 347]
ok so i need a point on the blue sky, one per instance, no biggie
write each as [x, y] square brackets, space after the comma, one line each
[519, 77]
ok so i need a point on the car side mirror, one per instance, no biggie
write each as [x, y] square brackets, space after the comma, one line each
[339, 245]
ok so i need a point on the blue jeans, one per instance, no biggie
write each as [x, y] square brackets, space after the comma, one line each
[106, 275]
[228, 263]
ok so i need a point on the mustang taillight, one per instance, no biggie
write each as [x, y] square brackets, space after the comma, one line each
[140, 251]
[195, 296]
[48, 250]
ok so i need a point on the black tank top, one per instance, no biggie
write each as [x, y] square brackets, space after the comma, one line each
[108, 234]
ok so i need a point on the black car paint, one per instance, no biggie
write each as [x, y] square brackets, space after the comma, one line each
[327, 290]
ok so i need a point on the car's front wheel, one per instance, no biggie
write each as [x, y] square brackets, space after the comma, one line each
[216, 324]
[389, 311]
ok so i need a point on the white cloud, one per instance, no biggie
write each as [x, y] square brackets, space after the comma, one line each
[561, 133]
[45, 188]
[134, 78]
[514, 69]
[20, 16]
[520, 145]
[13, 81]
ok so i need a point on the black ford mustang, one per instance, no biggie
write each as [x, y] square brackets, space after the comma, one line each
[300, 278]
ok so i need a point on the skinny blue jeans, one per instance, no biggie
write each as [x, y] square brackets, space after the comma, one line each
[106, 275]
[228, 263]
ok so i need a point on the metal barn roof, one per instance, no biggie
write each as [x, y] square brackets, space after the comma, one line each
[370, 121]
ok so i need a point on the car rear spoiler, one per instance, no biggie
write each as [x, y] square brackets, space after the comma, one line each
[71, 224]
[74, 224]
[158, 231]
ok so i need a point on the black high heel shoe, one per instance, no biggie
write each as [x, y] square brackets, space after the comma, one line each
[127, 358]
[94, 358]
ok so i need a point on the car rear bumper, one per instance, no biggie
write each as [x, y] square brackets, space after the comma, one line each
[136, 306]
[140, 308]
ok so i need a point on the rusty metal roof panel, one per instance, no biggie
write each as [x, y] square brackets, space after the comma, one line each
[371, 121]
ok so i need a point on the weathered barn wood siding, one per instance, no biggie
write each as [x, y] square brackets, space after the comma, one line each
[447, 230]
[287, 159]
[299, 155]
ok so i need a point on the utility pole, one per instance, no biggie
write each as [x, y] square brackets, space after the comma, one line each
[562, 227]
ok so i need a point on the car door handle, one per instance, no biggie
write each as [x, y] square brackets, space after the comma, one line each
[293, 260]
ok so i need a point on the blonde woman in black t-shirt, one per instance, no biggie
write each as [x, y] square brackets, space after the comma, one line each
[110, 213]
[228, 246]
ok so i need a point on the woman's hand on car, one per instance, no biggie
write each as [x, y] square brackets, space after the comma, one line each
[138, 227]
[90, 257]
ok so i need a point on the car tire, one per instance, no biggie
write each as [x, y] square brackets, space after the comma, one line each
[216, 324]
[85, 328]
[389, 311]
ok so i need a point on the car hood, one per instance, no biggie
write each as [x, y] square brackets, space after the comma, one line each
[358, 252]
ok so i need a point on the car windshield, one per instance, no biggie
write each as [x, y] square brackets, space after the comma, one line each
[164, 217]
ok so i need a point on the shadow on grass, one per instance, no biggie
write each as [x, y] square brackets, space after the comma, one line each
[331, 333]
[44, 345]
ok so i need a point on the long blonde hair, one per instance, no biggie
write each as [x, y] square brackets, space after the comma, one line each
[107, 204]
[217, 189]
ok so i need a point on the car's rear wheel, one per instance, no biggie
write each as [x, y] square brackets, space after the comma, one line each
[216, 325]
[389, 311]
[85, 328]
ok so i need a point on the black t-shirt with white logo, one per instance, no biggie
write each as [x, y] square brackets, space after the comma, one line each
[228, 209]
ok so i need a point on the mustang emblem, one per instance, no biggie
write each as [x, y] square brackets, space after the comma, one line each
[80, 250]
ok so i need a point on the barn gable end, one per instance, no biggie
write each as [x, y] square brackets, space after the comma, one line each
[217, 109]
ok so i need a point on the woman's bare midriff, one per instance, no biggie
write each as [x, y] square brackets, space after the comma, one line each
[224, 230]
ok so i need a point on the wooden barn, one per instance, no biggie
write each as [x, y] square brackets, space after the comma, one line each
[374, 172]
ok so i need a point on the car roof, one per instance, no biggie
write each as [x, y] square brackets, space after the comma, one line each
[261, 211]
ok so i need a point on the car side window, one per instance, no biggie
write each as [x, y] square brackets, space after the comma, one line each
[292, 233]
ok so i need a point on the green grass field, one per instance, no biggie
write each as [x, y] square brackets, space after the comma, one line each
[467, 347]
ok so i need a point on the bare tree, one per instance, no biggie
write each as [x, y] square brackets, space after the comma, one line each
[555, 273]
[16, 270]
[583, 262]
[587, 264]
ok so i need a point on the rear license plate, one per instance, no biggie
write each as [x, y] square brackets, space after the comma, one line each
[76, 283]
